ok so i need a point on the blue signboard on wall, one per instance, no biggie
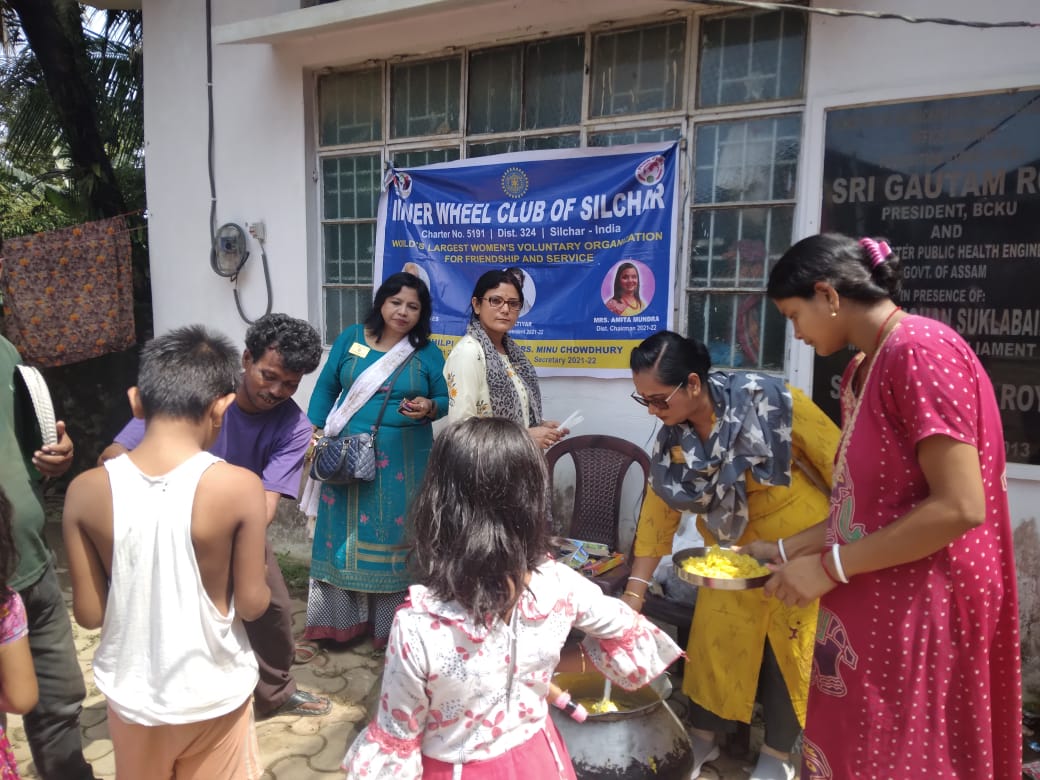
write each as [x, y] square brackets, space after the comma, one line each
[582, 226]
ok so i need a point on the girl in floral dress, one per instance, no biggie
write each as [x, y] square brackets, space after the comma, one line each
[18, 691]
[472, 652]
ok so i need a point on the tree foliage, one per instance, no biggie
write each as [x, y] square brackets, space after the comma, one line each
[71, 150]
[40, 185]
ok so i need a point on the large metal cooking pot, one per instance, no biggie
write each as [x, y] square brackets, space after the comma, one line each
[642, 741]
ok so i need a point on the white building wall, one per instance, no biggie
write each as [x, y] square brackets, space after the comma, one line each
[265, 168]
[261, 170]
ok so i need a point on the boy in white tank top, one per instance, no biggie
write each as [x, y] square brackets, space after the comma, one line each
[166, 555]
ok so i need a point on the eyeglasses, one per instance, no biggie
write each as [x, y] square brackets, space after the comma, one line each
[662, 405]
[497, 301]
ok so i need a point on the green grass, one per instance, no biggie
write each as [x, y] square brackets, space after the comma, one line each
[297, 574]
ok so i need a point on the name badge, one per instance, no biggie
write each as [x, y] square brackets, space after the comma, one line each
[360, 350]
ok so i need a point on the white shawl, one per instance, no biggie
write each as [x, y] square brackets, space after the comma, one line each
[360, 392]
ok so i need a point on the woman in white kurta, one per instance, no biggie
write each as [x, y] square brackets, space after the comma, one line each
[487, 372]
[472, 652]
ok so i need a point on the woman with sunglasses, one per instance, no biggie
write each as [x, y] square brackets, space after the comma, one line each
[487, 372]
[749, 458]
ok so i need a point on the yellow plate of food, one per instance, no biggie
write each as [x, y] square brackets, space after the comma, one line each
[719, 568]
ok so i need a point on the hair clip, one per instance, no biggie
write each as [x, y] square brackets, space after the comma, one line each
[878, 251]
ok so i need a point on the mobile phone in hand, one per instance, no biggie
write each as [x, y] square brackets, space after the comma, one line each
[405, 406]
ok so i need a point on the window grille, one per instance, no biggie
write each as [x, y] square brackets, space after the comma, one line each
[729, 86]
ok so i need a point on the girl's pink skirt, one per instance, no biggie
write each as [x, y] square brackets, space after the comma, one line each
[543, 756]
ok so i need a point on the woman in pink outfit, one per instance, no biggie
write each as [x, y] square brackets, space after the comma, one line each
[916, 669]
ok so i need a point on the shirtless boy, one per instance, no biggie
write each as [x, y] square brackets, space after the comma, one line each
[166, 554]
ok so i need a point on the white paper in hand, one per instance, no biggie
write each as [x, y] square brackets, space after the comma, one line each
[573, 419]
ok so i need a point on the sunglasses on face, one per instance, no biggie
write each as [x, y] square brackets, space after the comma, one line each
[497, 301]
[657, 402]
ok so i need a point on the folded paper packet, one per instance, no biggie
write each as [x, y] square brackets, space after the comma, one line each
[570, 545]
[595, 568]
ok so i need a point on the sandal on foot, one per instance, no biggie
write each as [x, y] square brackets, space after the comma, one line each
[304, 651]
[297, 704]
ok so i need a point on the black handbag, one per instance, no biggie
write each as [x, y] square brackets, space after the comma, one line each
[344, 460]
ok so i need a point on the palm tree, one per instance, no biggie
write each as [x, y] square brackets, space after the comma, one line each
[28, 205]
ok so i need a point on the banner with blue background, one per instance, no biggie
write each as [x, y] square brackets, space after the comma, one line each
[594, 232]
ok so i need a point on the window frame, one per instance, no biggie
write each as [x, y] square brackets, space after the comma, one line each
[749, 112]
[687, 117]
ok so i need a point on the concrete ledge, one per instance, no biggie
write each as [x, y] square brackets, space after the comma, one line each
[328, 17]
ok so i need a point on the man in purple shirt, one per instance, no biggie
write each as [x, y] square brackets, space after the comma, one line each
[266, 432]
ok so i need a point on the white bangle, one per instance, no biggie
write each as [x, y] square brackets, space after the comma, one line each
[838, 568]
[783, 552]
[640, 579]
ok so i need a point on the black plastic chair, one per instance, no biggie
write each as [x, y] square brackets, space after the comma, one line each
[601, 464]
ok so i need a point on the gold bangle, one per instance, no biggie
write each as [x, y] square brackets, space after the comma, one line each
[633, 593]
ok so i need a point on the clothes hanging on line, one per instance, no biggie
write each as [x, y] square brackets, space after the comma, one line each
[68, 294]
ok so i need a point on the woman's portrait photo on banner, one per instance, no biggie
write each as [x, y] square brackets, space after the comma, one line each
[628, 287]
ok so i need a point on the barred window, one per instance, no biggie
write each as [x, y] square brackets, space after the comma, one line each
[638, 71]
[750, 58]
[728, 87]
[743, 189]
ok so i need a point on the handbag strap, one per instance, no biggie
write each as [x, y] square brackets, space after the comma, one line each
[389, 387]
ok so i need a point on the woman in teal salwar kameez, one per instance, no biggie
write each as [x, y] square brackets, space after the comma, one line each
[358, 572]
